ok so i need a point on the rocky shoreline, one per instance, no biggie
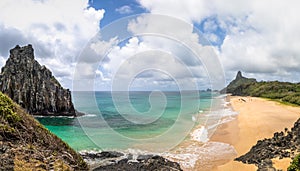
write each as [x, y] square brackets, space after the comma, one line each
[284, 144]
[112, 160]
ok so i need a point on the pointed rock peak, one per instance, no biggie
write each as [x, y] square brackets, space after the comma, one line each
[239, 75]
[235, 87]
[25, 51]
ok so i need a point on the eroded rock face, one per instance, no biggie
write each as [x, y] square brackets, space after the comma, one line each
[33, 86]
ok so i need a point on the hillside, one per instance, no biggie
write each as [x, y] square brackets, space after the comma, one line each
[284, 144]
[281, 91]
[26, 144]
[236, 87]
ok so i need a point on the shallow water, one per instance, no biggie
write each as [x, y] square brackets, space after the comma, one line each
[141, 120]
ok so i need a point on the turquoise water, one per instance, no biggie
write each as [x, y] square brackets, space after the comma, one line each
[129, 119]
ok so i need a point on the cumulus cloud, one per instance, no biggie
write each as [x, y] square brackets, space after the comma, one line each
[167, 54]
[190, 10]
[9, 37]
[261, 37]
[124, 10]
[56, 29]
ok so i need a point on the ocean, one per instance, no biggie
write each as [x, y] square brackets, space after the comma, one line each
[151, 121]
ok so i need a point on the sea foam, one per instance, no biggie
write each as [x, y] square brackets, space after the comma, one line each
[200, 135]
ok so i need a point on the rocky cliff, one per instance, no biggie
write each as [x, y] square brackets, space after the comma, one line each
[33, 86]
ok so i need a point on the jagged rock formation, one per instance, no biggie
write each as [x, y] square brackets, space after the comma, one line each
[110, 160]
[284, 144]
[33, 86]
[26, 145]
[235, 87]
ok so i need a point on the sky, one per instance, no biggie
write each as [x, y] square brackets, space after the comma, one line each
[260, 38]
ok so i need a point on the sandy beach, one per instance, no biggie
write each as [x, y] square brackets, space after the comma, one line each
[257, 119]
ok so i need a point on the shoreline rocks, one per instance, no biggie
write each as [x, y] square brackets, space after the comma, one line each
[284, 144]
[111, 160]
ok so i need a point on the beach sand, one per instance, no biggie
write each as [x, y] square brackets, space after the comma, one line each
[258, 119]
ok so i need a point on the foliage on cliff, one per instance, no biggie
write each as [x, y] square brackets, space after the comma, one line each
[295, 165]
[281, 91]
[26, 145]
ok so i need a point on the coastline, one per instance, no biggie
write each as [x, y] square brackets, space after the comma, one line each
[257, 119]
[242, 124]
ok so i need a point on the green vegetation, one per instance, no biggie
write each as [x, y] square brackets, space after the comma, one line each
[281, 91]
[284, 92]
[295, 165]
[29, 145]
[7, 110]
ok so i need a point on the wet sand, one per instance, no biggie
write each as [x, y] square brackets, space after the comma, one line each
[258, 119]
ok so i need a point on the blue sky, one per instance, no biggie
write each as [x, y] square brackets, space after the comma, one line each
[260, 39]
[116, 9]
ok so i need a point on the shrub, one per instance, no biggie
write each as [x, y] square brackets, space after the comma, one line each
[7, 110]
[295, 164]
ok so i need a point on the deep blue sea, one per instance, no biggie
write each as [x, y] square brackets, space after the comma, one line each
[136, 119]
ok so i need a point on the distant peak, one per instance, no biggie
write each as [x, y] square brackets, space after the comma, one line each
[239, 75]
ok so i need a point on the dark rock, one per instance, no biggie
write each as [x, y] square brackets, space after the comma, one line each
[33, 86]
[144, 157]
[118, 161]
[111, 154]
[157, 163]
[280, 145]
[102, 155]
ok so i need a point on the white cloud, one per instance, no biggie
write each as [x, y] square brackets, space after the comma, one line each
[266, 40]
[57, 30]
[189, 10]
[165, 48]
[262, 37]
[124, 10]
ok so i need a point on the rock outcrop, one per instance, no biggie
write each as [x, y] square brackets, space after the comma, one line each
[284, 144]
[33, 86]
[236, 86]
[111, 160]
[26, 145]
